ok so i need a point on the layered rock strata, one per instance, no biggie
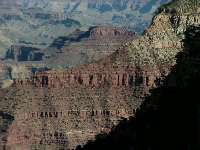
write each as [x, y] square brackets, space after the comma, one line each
[62, 109]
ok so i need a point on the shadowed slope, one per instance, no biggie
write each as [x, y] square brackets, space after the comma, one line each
[168, 119]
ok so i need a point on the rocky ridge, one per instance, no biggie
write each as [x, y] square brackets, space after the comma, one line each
[84, 47]
[46, 20]
[114, 87]
[78, 48]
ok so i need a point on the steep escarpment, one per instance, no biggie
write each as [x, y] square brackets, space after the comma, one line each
[162, 40]
[88, 99]
[62, 109]
[83, 47]
[105, 33]
[169, 118]
[70, 107]
[24, 53]
[78, 48]
[37, 23]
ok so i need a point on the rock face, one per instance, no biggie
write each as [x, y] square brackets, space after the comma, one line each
[106, 33]
[70, 107]
[94, 76]
[77, 103]
[62, 109]
[24, 53]
[80, 47]
[38, 22]
[168, 118]
[83, 47]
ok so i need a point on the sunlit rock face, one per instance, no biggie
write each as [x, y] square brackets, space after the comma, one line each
[61, 109]
[81, 102]
[77, 103]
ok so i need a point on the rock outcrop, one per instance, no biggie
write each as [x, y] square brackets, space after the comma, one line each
[168, 118]
[39, 22]
[62, 109]
[84, 47]
[24, 53]
[77, 103]
[110, 33]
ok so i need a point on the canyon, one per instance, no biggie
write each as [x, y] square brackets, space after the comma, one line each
[46, 20]
[78, 48]
[60, 109]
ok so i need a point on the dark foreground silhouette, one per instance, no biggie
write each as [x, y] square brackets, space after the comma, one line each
[169, 119]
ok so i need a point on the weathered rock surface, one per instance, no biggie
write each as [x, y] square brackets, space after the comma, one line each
[105, 33]
[83, 47]
[38, 22]
[62, 109]
[24, 53]
[79, 103]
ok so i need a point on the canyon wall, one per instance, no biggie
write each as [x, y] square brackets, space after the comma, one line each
[62, 109]
[78, 103]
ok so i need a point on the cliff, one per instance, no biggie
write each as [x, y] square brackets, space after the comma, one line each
[84, 47]
[62, 109]
[24, 53]
[168, 118]
[39, 22]
[110, 33]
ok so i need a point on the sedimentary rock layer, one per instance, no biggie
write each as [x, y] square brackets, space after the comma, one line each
[61, 109]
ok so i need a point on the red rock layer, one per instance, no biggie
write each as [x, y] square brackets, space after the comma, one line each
[80, 102]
